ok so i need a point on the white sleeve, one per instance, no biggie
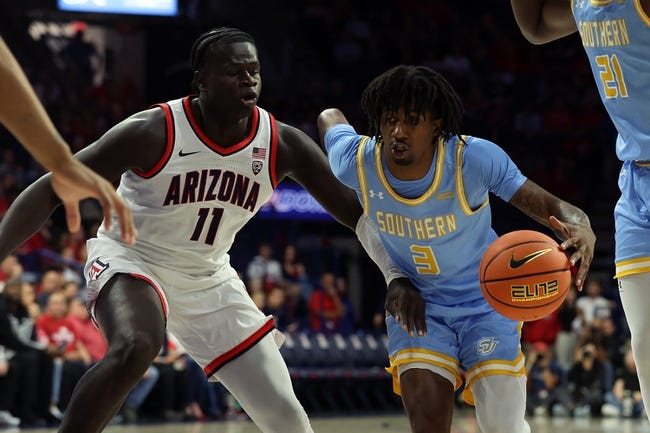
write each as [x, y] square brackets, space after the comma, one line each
[368, 235]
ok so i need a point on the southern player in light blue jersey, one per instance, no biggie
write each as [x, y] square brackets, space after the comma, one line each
[616, 37]
[426, 190]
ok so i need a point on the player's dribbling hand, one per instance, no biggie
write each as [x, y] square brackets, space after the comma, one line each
[405, 303]
[580, 237]
[73, 181]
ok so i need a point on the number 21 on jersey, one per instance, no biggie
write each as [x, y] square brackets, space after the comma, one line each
[611, 76]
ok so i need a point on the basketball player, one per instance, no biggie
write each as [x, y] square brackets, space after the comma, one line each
[22, 113]
[616, 37]
[194, 170]
[425, 187]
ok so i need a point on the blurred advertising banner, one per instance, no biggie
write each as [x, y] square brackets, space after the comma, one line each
[293, 202]
[135, 7]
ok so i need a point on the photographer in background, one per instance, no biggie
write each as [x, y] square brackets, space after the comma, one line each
[584, 394]
[544, 378]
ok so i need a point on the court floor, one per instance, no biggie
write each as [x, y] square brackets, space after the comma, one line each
[464, 422]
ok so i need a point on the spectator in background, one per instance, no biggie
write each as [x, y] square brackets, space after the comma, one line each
[570, 330]
[624, 399]
[10, 267]
[89, 335]
[263, 272]
[593, 305]
[22, 385]
[544, 379]
[348, 322]
[294, 271]
[6, 374]
[294, 314]
[52, 281]
[584, 393]
[325, 306]
[28, 299]
[71, 360]
[26, 118]
[543, 330]
[275, 302]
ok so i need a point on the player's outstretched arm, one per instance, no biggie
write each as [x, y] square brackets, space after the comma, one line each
[22, 113]
[543, 21]
[569, 223]
[138, 142]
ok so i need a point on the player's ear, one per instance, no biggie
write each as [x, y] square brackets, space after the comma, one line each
[437, 126]
[199, 81]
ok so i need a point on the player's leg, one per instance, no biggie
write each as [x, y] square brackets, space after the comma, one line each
[428, 398]
[636, 304]
[495, 371]
[129, 312]
[260, 381]
[500, 402]
[425, 373]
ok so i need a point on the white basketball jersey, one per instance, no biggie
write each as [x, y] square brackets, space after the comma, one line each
[189, 207]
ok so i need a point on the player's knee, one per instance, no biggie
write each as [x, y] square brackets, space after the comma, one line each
[133, 353]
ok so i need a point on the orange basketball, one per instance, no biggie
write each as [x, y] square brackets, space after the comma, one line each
[525, 275]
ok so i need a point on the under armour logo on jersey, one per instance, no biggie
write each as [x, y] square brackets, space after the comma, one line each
[580, 3]
[485, 346]
[257, 167]
[379, 194]
[96, 269]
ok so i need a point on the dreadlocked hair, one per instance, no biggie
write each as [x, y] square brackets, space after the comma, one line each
[221, 35]
[419, 91]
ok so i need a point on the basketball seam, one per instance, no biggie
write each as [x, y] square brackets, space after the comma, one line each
[550, 271]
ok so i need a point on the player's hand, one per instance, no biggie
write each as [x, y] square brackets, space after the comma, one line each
[405, 303]
[73, 181]
[580, 237]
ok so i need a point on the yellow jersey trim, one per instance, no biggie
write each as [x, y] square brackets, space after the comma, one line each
[639, 265]
[362, 175]
[437, 176]
[462, 199]
[641, 12]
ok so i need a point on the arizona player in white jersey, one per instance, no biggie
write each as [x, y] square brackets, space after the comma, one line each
[193, 170]
[616, 37]
[426, 188]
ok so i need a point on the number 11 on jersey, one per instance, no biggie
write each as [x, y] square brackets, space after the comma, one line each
[215, 219]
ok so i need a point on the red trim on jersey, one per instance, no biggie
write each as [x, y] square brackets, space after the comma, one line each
[169, 131]
[274, 152]
[240, 349]
[211, 144]
[163, 301]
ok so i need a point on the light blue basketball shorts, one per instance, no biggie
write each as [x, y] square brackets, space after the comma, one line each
[468, 347]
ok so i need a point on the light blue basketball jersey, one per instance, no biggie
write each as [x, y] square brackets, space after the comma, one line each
[439, 236]
[616, 37]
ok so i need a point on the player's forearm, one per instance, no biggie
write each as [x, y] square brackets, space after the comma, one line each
[540, 205]
[26, 215]
[23, 115]
[368, 236]
[542, 21]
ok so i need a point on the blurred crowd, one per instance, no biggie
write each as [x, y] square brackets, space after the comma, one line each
[539, 103]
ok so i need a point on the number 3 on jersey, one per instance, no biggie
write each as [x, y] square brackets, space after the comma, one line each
[215, 219]
[424, 259]
[611, 76]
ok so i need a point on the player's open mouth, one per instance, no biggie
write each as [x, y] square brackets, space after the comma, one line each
[398, 149]
[250, 98]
